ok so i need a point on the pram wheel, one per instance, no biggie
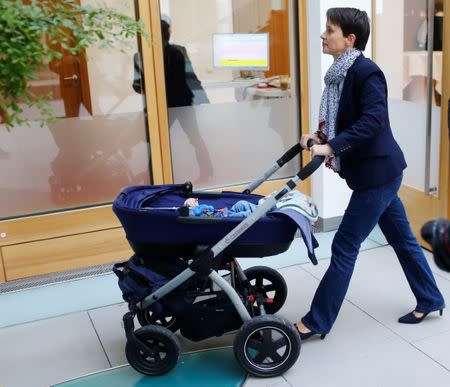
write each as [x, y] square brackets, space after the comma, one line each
[269, 284]
[267, 345]
[147, 317]
[164, 346]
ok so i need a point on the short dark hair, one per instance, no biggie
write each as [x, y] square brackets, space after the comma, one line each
[165, 30]
[351, 21]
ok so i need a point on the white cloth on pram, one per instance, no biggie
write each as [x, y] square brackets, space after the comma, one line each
[299, 202]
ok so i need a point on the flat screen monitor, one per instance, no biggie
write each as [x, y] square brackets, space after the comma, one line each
[241, 51]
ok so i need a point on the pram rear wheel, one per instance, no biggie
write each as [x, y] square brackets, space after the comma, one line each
[270, 284]
[164, 346]
[267, 346]
[147, 317]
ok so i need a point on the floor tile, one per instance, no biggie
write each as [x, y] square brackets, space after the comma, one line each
[357, 352]
[379, 288]
[297, 253]
[279, 381]
[108, 325]
[434, 268]
[46, 352]
[201, 369]
[355, 364]
[377, 236]
[58, 299]
[437, 347]
[301, 287]
[361, 348]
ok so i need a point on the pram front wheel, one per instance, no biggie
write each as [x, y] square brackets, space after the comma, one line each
[164, 351]
[267, 346]
[147, 317]
[269, 284]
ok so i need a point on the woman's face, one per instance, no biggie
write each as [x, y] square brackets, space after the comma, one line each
[334, 42]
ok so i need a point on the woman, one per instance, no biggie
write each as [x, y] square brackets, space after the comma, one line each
[356, 138]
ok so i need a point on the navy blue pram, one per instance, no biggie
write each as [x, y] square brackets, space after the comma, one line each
[164, 236]
[155, 227]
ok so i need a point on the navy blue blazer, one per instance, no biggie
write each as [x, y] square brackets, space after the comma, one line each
[369, 154]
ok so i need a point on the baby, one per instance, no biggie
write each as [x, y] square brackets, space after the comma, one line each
[240, 209]
[293, 200]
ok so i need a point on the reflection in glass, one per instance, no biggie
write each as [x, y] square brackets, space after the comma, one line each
[415, 31]
[247, 112]
[98, 146]
[401, 37]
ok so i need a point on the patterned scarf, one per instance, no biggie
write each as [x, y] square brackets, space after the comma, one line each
[330, 99]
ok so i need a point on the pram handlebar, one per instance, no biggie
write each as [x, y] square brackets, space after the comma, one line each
[288, 156]
[209, 254]
[311, 167]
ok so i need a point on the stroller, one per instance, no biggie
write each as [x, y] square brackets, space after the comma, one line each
[184, 275]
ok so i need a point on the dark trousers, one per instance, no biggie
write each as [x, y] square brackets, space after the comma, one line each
[367, 208]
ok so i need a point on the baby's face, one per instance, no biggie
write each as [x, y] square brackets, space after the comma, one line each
[191, 202]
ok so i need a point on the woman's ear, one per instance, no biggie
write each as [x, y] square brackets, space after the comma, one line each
[351, 40]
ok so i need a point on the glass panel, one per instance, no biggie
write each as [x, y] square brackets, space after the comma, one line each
[401, 37]
[98, 146]
[235, 108]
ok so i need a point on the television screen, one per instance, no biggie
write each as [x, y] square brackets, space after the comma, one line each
[241, 51]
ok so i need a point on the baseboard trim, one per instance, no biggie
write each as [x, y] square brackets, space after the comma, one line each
[328, 224]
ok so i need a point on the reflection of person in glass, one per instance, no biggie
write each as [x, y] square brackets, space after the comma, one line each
[177, 90]
[422, 31]
[180, 94]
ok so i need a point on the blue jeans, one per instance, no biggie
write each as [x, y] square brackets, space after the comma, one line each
[367, 208]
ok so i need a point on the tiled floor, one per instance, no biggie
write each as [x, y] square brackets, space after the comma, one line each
[367, 347]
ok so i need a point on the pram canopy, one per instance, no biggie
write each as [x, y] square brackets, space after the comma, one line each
[155, 226]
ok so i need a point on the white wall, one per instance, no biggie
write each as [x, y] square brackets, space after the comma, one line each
[390, 57]
[330, 192]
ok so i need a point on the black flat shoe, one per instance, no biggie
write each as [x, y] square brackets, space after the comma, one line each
[306, 336]
[410, 318]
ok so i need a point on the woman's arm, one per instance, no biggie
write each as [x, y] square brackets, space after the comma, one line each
[374, 112]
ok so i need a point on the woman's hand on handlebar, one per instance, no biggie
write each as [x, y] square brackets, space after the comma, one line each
[321, 150]
[306, 137]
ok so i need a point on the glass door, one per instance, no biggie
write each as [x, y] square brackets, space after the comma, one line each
[231, 82]
[99, 144]
[411, 47]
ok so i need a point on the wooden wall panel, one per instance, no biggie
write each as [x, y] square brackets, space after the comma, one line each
[419, 209]
[304, 84]
[55, 225]
[65, 253]
[2, 271]
[278, 29]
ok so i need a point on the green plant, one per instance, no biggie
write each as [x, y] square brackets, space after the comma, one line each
[33, 33]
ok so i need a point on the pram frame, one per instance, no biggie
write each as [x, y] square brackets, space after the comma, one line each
[205, 264]
[202, 263]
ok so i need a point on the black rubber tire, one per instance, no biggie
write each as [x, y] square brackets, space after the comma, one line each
[147, 317]
[163, 342]
[275, 289]
[258, 343]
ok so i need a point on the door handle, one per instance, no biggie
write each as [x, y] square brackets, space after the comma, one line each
[74, 77]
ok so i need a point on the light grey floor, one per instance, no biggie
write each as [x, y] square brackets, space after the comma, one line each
[367, 347]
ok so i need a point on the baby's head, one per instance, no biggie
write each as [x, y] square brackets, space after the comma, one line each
[191, 202]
